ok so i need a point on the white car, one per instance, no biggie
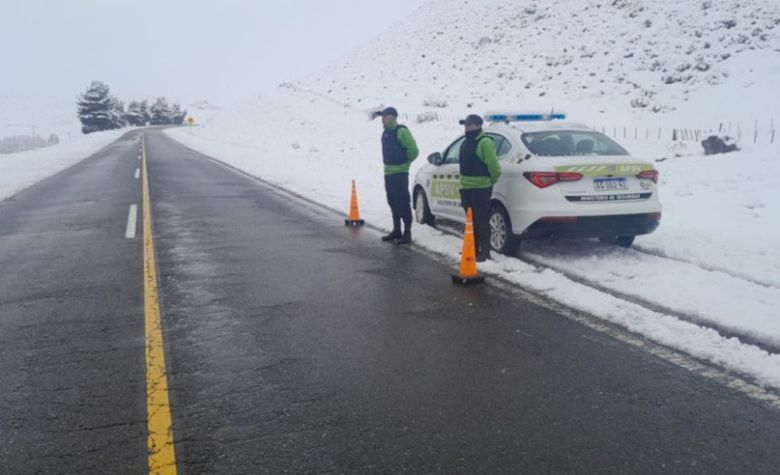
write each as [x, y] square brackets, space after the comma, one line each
[559, 180]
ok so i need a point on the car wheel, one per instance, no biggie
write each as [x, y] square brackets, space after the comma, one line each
[502, 239]
[422, 213]
[622, 241]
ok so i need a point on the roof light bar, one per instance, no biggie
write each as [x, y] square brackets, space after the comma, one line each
[514, 116]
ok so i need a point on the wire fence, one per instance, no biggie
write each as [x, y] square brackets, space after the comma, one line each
[755, 133]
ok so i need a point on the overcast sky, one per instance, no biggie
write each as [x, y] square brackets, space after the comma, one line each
[186, 50]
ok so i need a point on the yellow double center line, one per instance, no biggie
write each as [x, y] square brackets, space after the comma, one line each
[162, 459]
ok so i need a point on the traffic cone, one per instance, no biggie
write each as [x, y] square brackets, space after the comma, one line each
[468, 259]
[354, 214]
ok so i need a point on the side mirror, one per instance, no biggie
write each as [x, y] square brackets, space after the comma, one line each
[435, 159]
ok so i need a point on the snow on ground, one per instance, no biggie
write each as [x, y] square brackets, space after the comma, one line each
[314, 146]
[21, 170]
[720, 210]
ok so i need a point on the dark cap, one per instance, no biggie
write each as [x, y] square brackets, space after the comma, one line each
[387, 111]
[471, 119]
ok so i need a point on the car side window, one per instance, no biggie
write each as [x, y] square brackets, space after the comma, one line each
[502, 144]
[452, 155]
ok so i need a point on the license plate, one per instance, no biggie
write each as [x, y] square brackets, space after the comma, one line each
[610, 184]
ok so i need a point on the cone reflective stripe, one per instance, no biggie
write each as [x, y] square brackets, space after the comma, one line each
[354, 213]
[468, 258]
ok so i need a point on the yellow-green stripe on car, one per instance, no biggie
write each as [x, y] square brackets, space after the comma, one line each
[625, 169]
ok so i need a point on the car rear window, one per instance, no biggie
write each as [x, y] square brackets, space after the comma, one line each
[556, 143]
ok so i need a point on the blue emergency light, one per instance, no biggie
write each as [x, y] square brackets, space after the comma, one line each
[523, 116]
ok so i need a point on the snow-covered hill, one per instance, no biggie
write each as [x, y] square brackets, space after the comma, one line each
[701, 59]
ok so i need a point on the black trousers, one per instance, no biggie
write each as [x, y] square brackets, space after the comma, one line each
[478, 200]
[397, 189]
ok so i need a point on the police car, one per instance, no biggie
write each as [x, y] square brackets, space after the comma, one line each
[559, 180]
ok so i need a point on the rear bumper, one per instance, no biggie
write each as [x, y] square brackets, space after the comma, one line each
[593, 226]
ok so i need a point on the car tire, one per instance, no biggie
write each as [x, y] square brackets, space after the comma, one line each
[622, 241]
[502, 240]
[422, 212]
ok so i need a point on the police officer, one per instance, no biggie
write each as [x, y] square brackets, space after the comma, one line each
[398, 151]
[479, 171]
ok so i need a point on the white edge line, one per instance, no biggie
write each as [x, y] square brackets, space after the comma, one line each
[132, 218]
[137, 173]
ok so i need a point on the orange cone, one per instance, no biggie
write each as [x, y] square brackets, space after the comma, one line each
[468, 259]
[354, 214]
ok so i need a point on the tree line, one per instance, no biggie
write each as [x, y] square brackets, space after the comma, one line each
[99, 110]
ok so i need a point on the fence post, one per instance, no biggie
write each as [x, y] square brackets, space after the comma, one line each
[659, 133]
[614, 132]
[720, 127]
[755, 131]
[674, 135]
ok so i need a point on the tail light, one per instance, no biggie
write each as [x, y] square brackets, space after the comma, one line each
[545, 179]
[649, 175]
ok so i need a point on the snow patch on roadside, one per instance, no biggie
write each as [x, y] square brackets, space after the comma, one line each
[21, 170]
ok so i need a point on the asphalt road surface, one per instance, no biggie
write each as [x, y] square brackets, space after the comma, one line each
[294, 344]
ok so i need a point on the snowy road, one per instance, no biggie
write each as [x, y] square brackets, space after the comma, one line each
[294, 343]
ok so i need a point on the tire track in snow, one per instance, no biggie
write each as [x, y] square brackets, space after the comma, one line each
[666, 310]
[713, 268]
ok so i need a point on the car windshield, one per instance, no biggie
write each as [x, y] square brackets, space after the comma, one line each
[556, 143]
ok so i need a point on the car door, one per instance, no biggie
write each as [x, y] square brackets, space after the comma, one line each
[445, 184]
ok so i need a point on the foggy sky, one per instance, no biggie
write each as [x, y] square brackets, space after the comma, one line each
[221, 50]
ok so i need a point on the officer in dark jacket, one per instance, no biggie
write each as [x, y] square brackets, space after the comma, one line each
[398, 151]
[479, 171]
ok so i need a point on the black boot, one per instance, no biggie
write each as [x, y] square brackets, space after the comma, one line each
[406, 238]
[393, 236]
